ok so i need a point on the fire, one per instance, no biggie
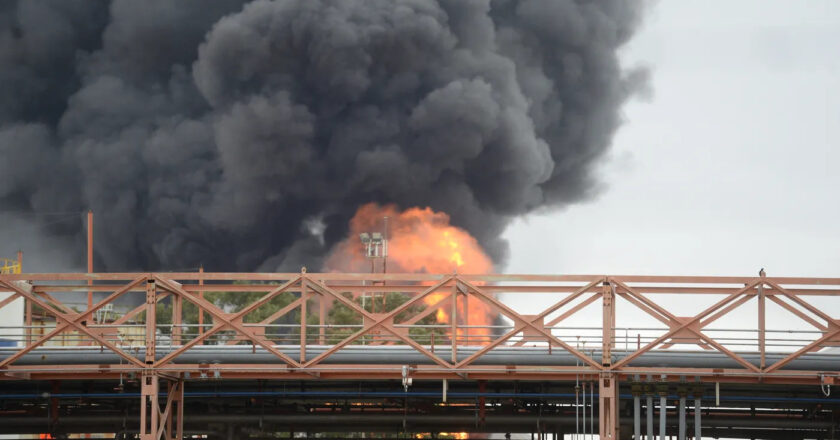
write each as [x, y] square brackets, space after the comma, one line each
[420, 240]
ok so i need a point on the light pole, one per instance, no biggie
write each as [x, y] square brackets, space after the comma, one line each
[375, 246]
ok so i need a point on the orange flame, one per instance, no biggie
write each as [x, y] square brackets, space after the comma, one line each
[420, 240]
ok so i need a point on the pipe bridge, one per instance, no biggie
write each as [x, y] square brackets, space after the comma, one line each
[635, 340]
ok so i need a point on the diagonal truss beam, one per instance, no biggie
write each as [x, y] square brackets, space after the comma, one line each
[385, 321]
[686, 324]
[828, 335]
[816, 324]
[135, 311]
[804, 304]
[8, 300]
[491, 300]
[224, 318]
[580, 306]
[74, 321]
[274, 316]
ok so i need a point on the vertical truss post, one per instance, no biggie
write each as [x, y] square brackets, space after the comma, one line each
[28, 320]
[177, 304]
[467, 318]
[608, 383]
[303, 298]
[761, 326]
[322, 316]
[608, 324]
[151, 321]
[149, 407]
[453, 320]
[200, 310]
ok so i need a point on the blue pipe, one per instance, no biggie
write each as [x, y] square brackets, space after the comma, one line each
[392, 394]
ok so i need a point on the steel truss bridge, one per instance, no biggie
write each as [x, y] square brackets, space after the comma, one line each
[330, 353]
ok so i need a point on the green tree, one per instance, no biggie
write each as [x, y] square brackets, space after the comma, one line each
[342, 321]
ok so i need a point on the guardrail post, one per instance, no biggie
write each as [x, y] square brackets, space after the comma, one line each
[761, 326]
[303, 300]
[453, 322]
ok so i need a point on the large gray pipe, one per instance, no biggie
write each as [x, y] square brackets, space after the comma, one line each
[378, 355]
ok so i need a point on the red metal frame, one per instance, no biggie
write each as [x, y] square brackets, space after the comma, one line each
[425, 294]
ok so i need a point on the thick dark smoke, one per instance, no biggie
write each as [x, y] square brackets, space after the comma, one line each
[245, 136]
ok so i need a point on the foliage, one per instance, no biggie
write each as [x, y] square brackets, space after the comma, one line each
[341, 321]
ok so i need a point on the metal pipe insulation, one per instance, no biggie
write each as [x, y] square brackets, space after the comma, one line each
[534, 356]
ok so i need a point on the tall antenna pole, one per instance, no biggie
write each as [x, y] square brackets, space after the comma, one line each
[90, 257]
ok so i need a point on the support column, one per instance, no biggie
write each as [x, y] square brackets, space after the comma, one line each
[149, 387]
[608, 425]
[662, 409]
[154, 423]
[175, 410]
[608, 406]
[682, 418]
[662, 389]
[649, 414]
[636, 389]
[637, 418]
[698, 410]
[149, 407]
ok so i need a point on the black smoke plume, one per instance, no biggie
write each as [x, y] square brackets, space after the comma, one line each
[243, 136]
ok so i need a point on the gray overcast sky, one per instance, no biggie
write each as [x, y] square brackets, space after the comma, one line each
[730, 166]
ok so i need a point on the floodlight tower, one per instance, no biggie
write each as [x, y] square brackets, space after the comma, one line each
[375, 246]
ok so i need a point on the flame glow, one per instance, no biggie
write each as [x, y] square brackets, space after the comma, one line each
[420, 240]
